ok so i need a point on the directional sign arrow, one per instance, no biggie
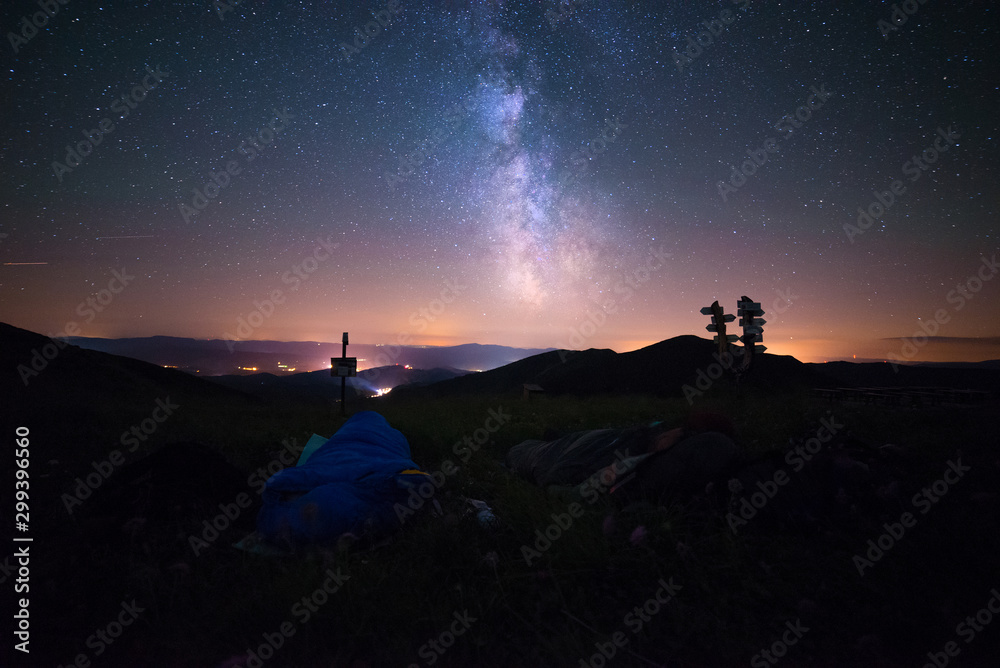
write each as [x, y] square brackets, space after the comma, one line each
[729, 317]
[707, 310]
[712, 328]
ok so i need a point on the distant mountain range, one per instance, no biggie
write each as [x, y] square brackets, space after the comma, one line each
[48, 376]
[216, 357]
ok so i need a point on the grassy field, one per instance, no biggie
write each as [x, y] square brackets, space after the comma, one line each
[644, 584]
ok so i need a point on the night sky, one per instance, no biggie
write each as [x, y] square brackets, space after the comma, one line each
[504, 172]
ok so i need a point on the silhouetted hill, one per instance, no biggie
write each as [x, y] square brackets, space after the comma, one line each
[507, 378]
[74, 399]
[664, 369]
[61, 375]
[661, 369]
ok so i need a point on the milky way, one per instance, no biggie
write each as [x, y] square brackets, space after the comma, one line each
[620, 163]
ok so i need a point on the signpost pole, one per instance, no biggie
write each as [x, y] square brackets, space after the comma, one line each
[345, 367]
[343, 380]
[719, 320]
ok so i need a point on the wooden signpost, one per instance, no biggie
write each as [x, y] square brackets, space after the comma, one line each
[719, 320]
[753, 329]
[344, 367]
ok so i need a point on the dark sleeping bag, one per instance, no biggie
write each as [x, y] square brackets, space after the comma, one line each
[684, 469]
[626, 461]
[350, 484]
[571, 459]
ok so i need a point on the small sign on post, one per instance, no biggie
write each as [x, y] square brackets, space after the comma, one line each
[343, 367]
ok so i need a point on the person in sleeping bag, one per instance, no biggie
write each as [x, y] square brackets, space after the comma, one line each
[650, 461]
[348, 485]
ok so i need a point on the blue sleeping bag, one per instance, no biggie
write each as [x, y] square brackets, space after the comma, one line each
[350, 484]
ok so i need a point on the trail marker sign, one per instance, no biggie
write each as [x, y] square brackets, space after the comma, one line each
[343, 367]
